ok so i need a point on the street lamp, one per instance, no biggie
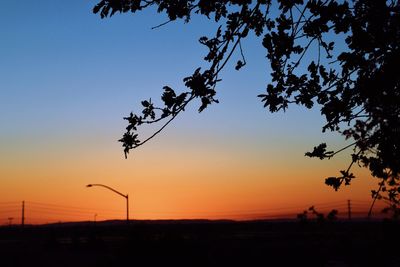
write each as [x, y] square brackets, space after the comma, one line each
[119, 193]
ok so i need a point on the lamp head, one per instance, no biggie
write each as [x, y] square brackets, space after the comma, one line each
[89, 185]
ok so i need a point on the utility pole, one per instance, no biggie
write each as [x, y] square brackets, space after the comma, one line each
[349, 208]
[127, 208]
[23, 214]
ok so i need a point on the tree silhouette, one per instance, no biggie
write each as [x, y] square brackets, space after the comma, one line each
[319, 217]
[352, 76]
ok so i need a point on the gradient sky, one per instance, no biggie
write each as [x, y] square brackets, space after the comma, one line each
[66, 80]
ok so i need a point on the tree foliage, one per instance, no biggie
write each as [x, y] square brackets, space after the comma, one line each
[342, 56]
[319, 217]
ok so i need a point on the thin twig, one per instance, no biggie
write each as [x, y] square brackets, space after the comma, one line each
[344, 148]
[375, 198]
[165, 125]
[160, 25]
[241, 53]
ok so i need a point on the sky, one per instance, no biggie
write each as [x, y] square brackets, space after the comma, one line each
[67, 78]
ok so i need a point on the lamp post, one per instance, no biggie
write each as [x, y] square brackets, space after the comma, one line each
[119, 193]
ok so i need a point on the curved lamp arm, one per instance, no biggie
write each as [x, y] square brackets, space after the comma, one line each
[112, 189]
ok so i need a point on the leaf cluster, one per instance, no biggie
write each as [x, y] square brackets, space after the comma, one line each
[339, 56]
[319, 217]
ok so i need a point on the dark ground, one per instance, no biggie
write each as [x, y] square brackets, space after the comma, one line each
[202, 243]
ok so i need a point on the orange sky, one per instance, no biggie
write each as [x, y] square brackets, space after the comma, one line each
[194, 176]
[66, 83]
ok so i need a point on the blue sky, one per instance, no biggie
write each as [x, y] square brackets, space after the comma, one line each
[67, 78]
[60, 62]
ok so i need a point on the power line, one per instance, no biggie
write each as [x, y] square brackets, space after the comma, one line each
[67, 207]
[36, 210]
[8, 206]
[9, 202]
[59, 211]
[10, 210]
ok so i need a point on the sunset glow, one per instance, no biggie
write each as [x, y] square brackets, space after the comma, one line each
[67, 80]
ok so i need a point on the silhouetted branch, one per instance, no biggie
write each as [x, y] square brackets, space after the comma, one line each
[358, 87]
[342, 149]
[374, 199]
[162, 24]
[165, 124]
